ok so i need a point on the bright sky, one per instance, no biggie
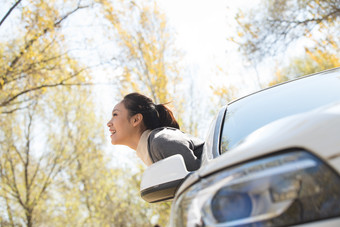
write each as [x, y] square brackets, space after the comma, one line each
[202, 28]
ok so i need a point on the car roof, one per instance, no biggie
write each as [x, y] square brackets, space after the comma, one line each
[286, 82]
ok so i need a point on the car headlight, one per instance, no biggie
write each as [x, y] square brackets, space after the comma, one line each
[284, 189]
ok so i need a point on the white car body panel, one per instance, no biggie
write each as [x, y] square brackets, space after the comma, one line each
[161, 175]
[314, 130]
[325, 223]
[298, 131]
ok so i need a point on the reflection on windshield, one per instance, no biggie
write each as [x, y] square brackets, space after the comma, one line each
[252, 112]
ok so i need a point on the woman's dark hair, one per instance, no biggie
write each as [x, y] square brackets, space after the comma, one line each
[154, 116]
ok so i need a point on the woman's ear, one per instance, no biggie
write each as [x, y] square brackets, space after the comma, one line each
[137, 119]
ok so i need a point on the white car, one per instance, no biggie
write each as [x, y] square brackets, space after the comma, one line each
[271, 158]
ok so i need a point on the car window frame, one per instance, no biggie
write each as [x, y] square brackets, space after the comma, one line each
[218, 129]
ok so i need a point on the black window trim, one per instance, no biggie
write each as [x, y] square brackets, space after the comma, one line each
[216, 149]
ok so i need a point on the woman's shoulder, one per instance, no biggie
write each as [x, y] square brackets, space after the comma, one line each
[166, 133]
[164, 142]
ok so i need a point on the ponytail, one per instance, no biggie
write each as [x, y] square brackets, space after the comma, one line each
[166, 117]
[154, 116]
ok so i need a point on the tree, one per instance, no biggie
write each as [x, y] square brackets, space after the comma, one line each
[31, 62]
[222, 93]
[313, 61]
[274, 25]
[68, 181]
[53, 169]
[148, 60]
[89, 191]
[34, 61]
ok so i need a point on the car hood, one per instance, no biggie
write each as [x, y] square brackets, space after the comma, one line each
[317, 131]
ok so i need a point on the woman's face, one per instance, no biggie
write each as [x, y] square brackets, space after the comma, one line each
[120, 125]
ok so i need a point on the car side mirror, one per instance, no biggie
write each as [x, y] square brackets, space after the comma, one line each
[161, 180]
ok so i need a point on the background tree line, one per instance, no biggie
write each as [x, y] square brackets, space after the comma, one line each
[274, 28]
[54, 169]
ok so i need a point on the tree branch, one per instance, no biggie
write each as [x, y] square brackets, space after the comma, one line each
[35, 38]
[317, 20]
[9, 12]
[62, 82]
[15, 186]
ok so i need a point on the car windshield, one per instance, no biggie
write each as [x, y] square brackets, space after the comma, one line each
[250, 113]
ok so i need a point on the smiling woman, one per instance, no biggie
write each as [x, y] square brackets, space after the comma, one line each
[152, 131]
